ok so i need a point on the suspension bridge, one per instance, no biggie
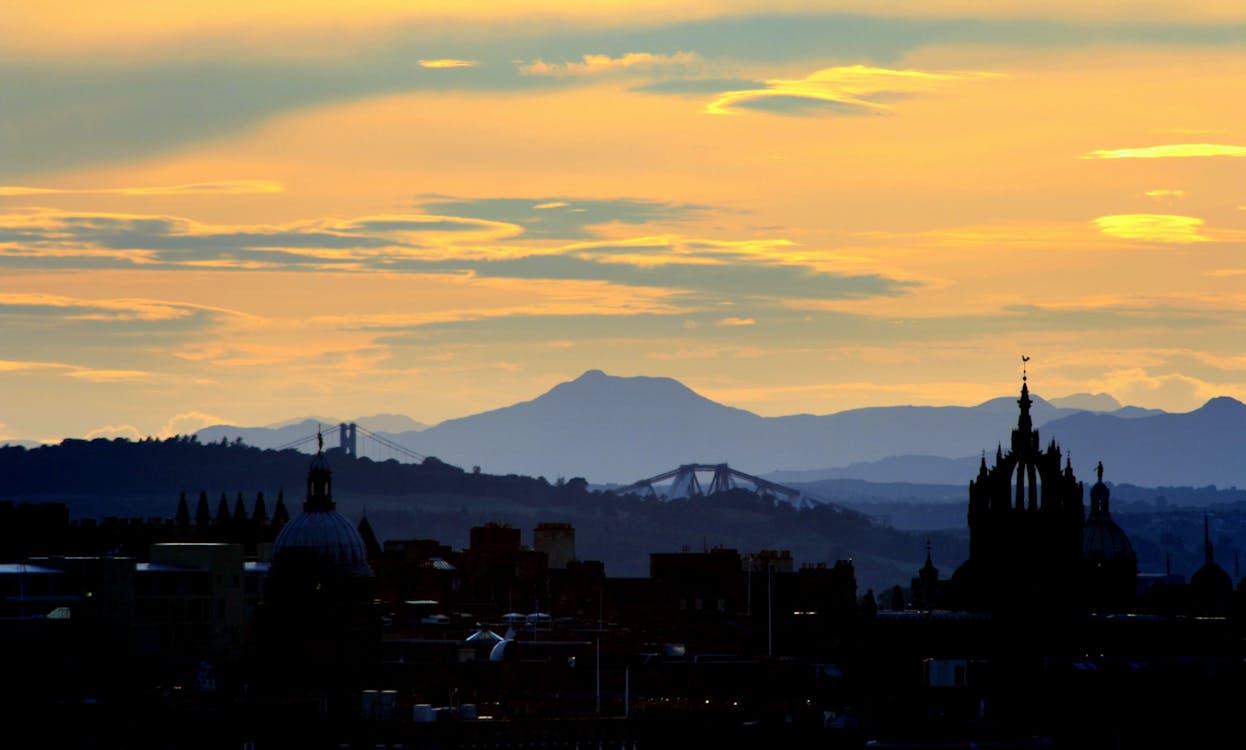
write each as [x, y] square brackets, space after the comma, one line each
[376, 447]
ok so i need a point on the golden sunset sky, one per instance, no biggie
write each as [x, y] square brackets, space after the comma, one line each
[243, 212]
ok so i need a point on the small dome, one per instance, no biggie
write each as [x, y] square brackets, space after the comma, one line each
[1211, 580]
[319, 464]
[1104, 541]
[326, 538]
[498, 653]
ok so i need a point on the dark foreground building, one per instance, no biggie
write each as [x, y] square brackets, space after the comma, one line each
[334, 640]
[1032, 548]
[317, 630]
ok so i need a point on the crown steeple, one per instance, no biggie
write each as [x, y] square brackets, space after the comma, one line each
[1024, 423]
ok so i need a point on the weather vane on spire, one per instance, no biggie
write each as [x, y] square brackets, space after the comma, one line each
[319, 440]
[1024, 359]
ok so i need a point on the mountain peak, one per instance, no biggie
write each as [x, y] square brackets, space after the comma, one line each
[1223, 404]
[597, 384]
[1087, 402]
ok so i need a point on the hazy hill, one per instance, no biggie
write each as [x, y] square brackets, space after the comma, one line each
[1154, 449]
[616, 429]
[935, 470]
[289, 431]
[605, 428]
[1087, 401]
[1198, 448]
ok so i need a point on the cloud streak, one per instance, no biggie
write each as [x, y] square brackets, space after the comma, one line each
[1168, 228]
[565, 217]
[446, 63]
[1169, 151]
[699, 268]
[53, 238]
[223, 187]
[594, 65]
[854, 89]
[78, 308]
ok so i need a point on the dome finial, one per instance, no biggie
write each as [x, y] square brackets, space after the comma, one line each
[1024, 360]
[1099, 471]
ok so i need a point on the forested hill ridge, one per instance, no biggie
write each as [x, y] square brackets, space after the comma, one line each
[118, 477]
[115, 468]
[612, 429]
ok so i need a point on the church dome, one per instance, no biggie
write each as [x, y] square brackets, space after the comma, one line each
[1212, 579]
[1102, 539]
[1210, 582]
[321, 539]
[326, 538]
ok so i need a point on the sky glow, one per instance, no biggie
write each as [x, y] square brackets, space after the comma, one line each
[246, 212]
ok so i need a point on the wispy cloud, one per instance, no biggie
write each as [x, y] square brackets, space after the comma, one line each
[79, 308]
[187, 423]
[127, 431]
[77, 371]
[565, 217]
[1136, 385]
[1165, 193]
[110, 376]
[667, 249]
[11, 365]
[448, 63]
[854, 89]
[450, 246]
[48, 237]
[224, 187]
[1183, 230]
[1169, 151]
[591, 65]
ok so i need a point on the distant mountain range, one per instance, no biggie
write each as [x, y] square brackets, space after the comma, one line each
[617, 430]
[281, 434]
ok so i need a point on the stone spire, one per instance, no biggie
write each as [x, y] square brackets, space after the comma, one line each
[183, 511]
[1209, 554]
[260, 514]
[280, 515]
[203, 516]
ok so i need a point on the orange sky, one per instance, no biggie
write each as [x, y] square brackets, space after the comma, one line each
[247, 212]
